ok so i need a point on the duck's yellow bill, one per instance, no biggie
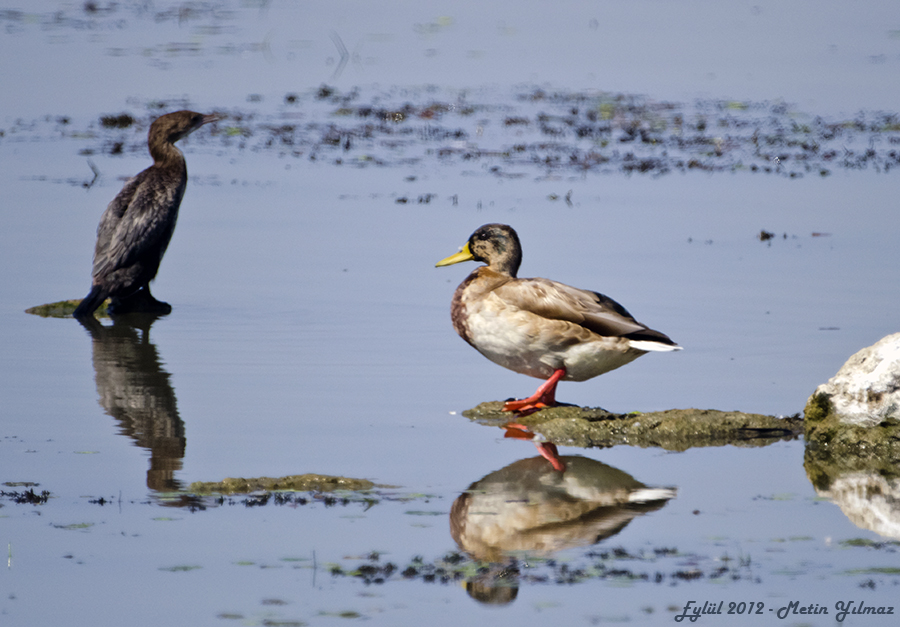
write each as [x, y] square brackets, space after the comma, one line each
[463, 255]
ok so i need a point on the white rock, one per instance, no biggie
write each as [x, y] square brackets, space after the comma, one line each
[866, 390]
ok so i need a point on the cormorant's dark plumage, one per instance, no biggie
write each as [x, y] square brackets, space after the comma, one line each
[137, 225]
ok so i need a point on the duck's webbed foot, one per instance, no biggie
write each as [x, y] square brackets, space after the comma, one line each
[545, 396]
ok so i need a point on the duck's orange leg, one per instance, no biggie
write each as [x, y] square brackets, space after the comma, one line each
[547, 450]
[544, 397]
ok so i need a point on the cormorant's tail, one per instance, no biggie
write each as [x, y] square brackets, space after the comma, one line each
[90, 302]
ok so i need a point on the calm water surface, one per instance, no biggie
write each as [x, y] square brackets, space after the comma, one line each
[311, 331]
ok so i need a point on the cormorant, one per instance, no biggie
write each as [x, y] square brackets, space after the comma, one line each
[136, 227]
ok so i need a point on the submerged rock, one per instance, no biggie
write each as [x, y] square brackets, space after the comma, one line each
[64, 309]
[866, 390]
[295, 483]
[673, 430]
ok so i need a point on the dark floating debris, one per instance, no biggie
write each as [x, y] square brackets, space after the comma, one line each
[28, 497]
[616, 564]
[122, 120]
[523, 133]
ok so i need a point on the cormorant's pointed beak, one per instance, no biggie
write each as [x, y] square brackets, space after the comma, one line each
[211, 117]
[464, 255]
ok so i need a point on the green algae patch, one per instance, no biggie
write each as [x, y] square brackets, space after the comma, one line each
[183, 568]
[75, 526]
[293, 483]
[673, 430]
[818, 407]
[65, 309]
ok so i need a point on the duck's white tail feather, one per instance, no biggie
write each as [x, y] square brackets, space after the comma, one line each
[648, 495]
[648, 345]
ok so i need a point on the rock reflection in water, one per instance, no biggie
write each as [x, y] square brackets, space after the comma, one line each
[866, 489]
[529, 507]
[135, 390]
[870, 501]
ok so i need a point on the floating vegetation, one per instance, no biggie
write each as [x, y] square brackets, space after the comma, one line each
[75, 526]
[27, 497]
[91, 16]
[878, 570]
[524, 133]
[324, 491]
[888, 545]
[292, 490]
[123, 120]
[336, 498]
[616, 564]
[180, 569]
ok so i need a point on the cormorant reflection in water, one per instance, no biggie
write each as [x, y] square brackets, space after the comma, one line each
[135, 390]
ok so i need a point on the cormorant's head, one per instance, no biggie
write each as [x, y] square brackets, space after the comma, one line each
[171, 127]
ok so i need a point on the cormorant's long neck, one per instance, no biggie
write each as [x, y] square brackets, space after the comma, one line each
[166, 154]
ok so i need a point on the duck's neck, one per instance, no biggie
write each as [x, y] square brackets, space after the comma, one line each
[508, 264]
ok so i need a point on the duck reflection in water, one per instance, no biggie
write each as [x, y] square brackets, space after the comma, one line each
[531, 508]
[135, 390]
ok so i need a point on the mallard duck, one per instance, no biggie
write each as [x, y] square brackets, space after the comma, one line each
[539, 327]
[137, 225]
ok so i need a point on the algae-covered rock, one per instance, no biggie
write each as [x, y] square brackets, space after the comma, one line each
[853, 421]
[674, 430]
[866, 390]
[294, 483]
[64, 309]
[834, 447]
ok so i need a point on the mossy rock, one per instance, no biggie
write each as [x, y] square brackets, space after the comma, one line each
[292, 483]
[673, 430]
[835, 448]
[65, 309]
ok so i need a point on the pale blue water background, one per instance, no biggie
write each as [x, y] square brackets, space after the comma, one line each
[311, 332]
